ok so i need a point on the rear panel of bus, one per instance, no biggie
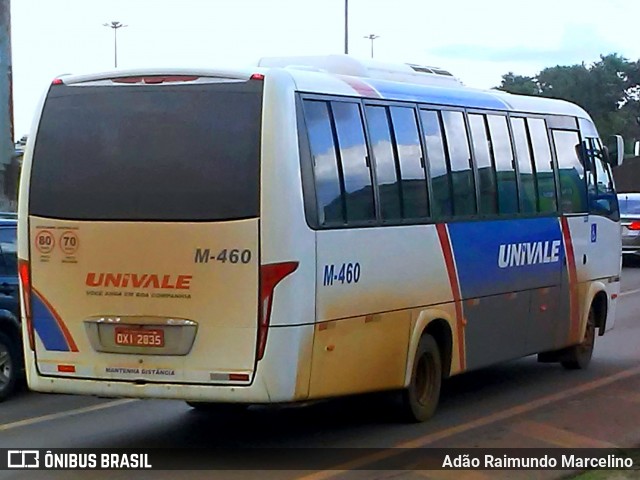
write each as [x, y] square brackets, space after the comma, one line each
[143, 227]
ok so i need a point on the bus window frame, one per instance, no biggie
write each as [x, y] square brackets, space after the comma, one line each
[414, 107]
[554, 164]
[551, 122]
[550, 131]
[483, 114]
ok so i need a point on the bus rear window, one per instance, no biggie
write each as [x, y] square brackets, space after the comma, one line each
[161, 152]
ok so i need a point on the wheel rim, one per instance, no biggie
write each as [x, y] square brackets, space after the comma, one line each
[6, 366]
[589, 336]
[425, 380]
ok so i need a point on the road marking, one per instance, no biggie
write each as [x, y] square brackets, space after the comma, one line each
[629, 292]
[465, 427]
[629, 396]
[452, 475]
[68, 413]
[558, 436]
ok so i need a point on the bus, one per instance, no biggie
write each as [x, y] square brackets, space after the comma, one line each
[309, 228]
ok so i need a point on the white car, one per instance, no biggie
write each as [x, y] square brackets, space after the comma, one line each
[630, 219]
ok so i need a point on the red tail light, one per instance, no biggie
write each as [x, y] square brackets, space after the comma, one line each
[634, 225]
[25, 280]
[257, 76]
[270, 276]
[57, 81]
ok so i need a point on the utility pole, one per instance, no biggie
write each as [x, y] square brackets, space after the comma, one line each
[115, 26]
[346, 27]
[6, 99]
[371, 37]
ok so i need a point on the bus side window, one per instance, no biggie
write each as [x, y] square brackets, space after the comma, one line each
[358, 188]
[412, 173]
[327, 176]
[615, 206]
[602, 196]
[528, 187]
[387, 169]
[503, 157]
[440, 180]
[573, 187]
[544, 165]
[486, 172]
[464, 192]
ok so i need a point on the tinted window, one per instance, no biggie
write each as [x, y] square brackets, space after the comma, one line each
[528, 189]
[354, 157]
[442, 205]
[629, 206]
[503, 157]
[486, 173]
[9, 250]
[166, 152]
[603, 181]
[573, 189]
[600, 189]
[464, 193]
[386, 167]
[544, 165]
[414, 182]
[325, 163]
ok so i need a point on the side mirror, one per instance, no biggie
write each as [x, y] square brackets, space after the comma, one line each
[615, 150]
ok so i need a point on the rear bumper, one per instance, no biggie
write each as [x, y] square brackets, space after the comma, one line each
[631, 244]
[279, 377]
[629, 251]
[630, 241]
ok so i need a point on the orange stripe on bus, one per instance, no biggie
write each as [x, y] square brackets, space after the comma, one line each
[63, 328]
[445, 243]
[574, 320]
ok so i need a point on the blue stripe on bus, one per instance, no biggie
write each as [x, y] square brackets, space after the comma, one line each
[501, 256]
[47, 327]
[438, 95]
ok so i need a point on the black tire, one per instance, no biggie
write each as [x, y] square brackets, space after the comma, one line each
[579, 356]
[9, 366]
[420, 399]
[219, 408]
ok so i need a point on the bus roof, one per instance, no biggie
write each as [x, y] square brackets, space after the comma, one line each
[344, 75]
[451, 95]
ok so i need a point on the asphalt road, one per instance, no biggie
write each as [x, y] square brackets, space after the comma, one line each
[515, 404]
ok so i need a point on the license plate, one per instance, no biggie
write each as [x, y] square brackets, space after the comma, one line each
[132, 337]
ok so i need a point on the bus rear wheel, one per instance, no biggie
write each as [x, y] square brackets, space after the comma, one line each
[579, 356]
[420, 399]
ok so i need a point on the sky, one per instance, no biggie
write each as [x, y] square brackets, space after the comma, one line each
[478, 41]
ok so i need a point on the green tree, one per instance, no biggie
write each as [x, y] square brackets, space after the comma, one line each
[609, 90]
[519, 84]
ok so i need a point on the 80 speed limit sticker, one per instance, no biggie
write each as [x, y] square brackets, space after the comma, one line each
[45, 241]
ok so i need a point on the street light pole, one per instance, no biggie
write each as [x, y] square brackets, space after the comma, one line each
[115, 26]
[346, 27]
[372, 37]
[6, 105]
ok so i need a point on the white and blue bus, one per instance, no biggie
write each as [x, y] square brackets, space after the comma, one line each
[310, 228]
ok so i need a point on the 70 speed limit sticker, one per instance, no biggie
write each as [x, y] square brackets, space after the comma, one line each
[69, 242]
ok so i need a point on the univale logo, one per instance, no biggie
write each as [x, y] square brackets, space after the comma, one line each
[139, 280]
